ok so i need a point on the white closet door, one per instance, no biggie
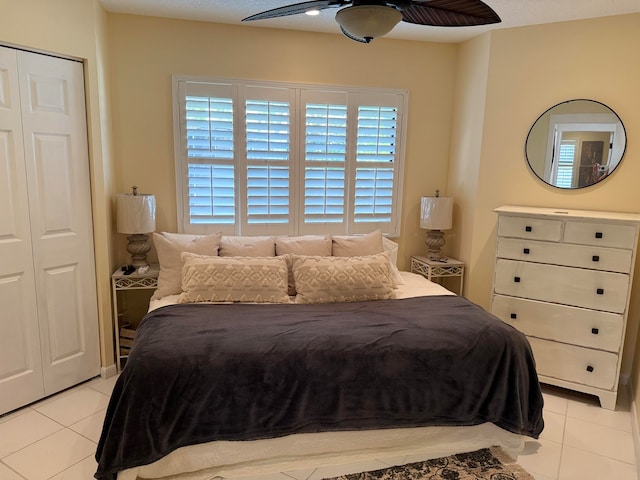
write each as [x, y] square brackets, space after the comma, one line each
[20, 365]
[57, 167]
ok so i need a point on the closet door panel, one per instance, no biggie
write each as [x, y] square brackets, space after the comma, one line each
[57, 165]
[20, 365]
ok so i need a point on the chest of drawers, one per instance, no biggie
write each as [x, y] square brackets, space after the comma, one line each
[563, 277]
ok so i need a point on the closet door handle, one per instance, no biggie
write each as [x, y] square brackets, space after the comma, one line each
[595, 331]
[528, 228]
[590, 369]
[514, 315]
[599, 235]
[526, 251]
[596, 258]
[516, 279]
[600, 291]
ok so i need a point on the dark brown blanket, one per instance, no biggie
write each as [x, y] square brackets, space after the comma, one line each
[199, 373]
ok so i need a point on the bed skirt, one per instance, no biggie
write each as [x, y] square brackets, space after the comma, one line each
[228, 459]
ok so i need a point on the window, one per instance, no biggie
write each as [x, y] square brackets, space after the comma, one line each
[280, 159]
[566, 161]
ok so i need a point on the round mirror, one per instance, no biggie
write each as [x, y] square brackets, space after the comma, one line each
[576, 144]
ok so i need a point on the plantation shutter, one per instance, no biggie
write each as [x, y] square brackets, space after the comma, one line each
[566, 162]
[209, 155]
[325, 149]
[375, 198]
[267, 126]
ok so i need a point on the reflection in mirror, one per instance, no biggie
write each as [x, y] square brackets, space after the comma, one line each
[575, 144]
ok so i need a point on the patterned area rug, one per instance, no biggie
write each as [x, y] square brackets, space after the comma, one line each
[486, 464]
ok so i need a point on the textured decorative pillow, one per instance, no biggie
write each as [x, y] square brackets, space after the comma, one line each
[247, 247]
[319, 245]
[342, 279]
[353, 245]
[169, 246]
[234, 279]
[369, 244]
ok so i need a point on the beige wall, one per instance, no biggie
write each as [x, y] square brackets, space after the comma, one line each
[76, 28]
[146, 52]
[530, 69]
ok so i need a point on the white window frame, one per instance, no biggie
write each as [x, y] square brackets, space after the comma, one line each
[295, 225]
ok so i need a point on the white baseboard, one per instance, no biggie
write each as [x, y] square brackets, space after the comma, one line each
[107, 372]
[635, 431]
[625, 379]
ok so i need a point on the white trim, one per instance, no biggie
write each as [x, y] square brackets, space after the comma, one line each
[109, 371]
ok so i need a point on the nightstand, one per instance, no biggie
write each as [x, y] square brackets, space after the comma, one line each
[131, 294]
[436, 270]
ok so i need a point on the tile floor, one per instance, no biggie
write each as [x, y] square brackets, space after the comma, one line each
[56, 439]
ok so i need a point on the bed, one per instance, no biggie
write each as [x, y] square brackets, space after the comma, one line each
[223, 387]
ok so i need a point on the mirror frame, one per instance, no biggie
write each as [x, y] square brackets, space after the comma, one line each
[603, 121]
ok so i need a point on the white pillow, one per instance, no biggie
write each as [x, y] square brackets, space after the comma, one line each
[234, 279]
[342, 279]
[247, 247]
[169, 246]
[354, 245]
[319, 245]
[392, 247]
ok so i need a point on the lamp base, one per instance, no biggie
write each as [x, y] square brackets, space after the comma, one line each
[434, 241]
[138, 247]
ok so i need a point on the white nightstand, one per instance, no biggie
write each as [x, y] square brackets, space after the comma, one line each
[436, 270]
[127, 312]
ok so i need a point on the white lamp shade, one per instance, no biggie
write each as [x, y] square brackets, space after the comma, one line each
[436, 213]
[135, 213]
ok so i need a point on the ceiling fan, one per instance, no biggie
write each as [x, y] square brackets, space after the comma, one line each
[363, 21]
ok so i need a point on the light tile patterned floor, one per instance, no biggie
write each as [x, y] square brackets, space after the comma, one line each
[56, 439]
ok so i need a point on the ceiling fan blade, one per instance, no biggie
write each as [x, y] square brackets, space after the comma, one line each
[296, 9]
[450, 13]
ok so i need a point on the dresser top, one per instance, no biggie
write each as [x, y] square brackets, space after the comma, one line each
[568, 213]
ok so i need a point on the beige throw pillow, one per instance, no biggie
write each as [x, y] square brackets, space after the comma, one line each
[342, 279]
[353, 245]
[169, 247]
[234, 279]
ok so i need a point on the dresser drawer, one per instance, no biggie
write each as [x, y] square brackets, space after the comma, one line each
[598, 290]
[575, 364]
[601, 234]
[578, 326]
[597, 258]
[533, 228]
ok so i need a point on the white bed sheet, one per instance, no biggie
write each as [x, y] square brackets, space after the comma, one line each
[227, 459]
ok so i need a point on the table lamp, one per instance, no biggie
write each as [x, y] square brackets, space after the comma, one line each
[136, 216]
[436, 214]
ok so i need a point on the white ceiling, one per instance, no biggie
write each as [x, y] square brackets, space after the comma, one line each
[513, 13]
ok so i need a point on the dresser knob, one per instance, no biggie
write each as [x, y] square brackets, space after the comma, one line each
[595, 331]
[528, 228]
[516, 279]
[595, 258]
[600, 291]
[514, 315]
[526, 251]
[590, 369]
[599, 235]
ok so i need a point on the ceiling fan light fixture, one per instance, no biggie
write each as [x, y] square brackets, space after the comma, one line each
[368, 21]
